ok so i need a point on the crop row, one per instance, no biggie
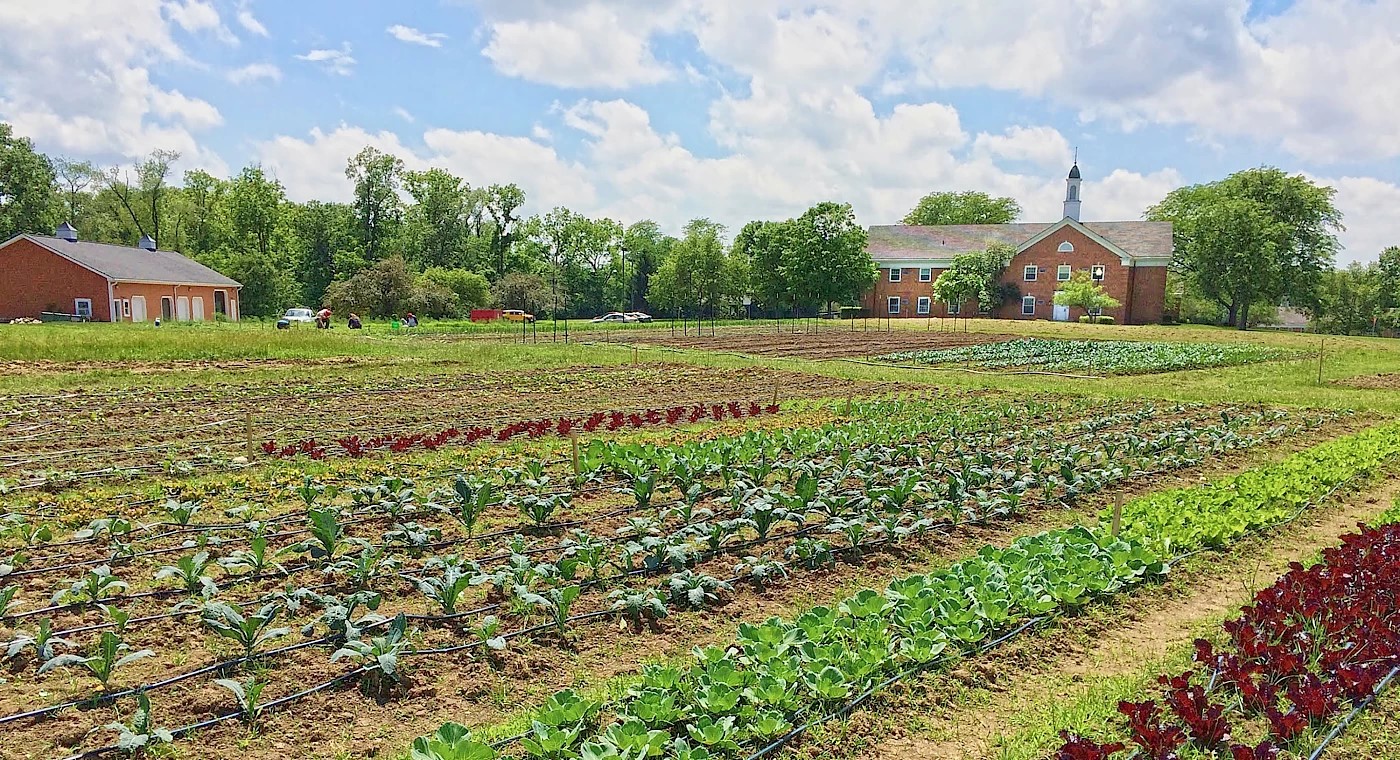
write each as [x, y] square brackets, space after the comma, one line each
[1319, 640]
[983, 481]
[1112, 357]
[779, 674]
[357, 446]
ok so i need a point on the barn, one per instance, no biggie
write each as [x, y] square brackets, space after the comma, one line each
[100, 282]
[1127, 259]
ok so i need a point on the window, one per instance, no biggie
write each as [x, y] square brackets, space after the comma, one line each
[1030, 272]
[1073, 193]
[895, 272]
[954, 309]
[83, 307]
[1096, 312]
[925, 275]
[1096, 272]
[126, 307]
[924, 305]
[1028, 306]
[892, 305]
[1062, 274]
[1066, 247]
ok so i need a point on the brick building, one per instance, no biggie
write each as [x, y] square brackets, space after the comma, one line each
[109, 283]
[1128, 259]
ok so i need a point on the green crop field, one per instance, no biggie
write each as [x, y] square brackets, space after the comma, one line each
[758, 541]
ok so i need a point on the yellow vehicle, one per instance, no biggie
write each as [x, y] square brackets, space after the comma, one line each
[516, 315]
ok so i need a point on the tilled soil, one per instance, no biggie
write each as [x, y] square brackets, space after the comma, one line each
[833, 340]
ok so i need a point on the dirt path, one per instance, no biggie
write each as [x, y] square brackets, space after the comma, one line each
[1067, 663]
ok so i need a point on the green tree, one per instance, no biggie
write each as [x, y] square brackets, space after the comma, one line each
[975, 276]
[1389, 271]
[826, 258]
[1258, 235]
[644, 247]
[471, 289]
[1350, 300]
[267, 288]
[521, 290]
[254, 204]
[764, 246]
[144, 202]
[324, 242]
[1081, 292]
[691, 276]
[502, 202]
[27, 198]
[383, 289]
[378, 211]
[968, 207]
[205, 228]
[73, 179]
[436, 225]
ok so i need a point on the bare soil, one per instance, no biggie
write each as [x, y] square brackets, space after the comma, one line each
[832, 340]
[1383, 382]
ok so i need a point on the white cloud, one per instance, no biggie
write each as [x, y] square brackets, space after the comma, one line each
[1041, 146]
[415, 37]
[255, 72]
[200, 16]
[248, 21]
[78, 78]
[403, 113]
[313, 167]
[332, 60]
[1368, 208]
[589, 45]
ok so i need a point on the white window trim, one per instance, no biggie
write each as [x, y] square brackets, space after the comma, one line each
[925, 274]
[1030, 272]
[79, 312]
[892, 305]
[1064, 272]
[895, 274]
[1096, 312]
[126, 308]
[216, 303]
[924, 305]
[954, 309]
[1025, 313]
[1066, 247]
[1098, 272]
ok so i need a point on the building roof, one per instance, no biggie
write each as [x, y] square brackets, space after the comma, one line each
[1074, 171]
[894, 242]
[123, 263]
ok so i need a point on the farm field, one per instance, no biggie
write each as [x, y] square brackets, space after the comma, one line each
[833, 340]
[1099, 357]
[846, 552]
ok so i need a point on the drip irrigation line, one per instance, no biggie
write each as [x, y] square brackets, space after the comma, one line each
[1355, 711]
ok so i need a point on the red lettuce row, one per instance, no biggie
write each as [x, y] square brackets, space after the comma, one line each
[1315, 643]
[356, 446]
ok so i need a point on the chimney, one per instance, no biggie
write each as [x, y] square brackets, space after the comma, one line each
[146, 243]
[67, 232]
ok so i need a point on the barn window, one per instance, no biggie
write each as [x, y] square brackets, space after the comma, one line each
[924, 304]
[925, 275]
[1066, 247]
[1063, 272]
[895, 273]
[126, 307]
[1096, 272]
[82, 307]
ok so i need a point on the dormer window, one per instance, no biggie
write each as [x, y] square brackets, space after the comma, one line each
[1066, 247]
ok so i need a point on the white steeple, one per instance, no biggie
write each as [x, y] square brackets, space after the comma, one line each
[1072, 192]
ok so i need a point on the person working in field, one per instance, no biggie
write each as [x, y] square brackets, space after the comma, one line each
[354, 322]
[323, 319]
[409, 320]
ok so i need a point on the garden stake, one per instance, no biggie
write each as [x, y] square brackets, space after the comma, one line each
[573, 442]
[1320, 348]
[1117, 514]
[248, 434]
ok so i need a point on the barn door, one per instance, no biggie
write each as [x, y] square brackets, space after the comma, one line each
[197, 308]
[182, 309]
[138, 308]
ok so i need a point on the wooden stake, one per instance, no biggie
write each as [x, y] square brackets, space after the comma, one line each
[634, 356]
[1117, 515]
[1320, 348]
[573, 442]
[775, 392]
[848, 404]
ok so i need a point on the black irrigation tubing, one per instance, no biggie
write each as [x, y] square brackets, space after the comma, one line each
[846, 709]
[183, 731]
[1350, 716]
[109, 697]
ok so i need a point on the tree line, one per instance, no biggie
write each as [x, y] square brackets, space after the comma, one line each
[428, 241]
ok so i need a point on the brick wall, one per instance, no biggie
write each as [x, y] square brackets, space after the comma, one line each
[1140, 291]
[33, 279]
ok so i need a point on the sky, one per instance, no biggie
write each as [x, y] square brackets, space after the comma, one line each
[733, 109]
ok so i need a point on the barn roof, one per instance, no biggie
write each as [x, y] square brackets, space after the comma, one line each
[893, 242]
[127, 264]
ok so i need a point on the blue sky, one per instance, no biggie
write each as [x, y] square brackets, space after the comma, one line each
[733, 109]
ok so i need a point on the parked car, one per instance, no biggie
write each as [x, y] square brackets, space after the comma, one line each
[615, 316]
[300, 315]
[516, 315]
[639, 316]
